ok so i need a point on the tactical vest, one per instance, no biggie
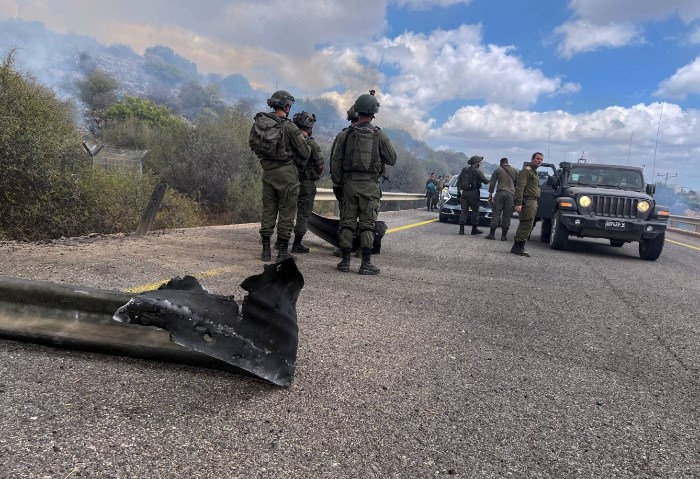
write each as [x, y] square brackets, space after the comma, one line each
[362, 150]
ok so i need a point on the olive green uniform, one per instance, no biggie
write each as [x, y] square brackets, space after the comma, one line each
[308, 175]
[361, 192]
[470, 198]
[527, 193]
[280, 183]
[503, 201]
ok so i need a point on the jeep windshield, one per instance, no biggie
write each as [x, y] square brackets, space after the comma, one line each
[606, 177]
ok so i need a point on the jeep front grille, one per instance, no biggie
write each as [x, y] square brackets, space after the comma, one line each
[614, 206]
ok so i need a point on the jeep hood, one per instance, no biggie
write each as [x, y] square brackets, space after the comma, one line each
[593, 191]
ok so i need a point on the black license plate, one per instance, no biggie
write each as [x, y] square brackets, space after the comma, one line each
[615, 225]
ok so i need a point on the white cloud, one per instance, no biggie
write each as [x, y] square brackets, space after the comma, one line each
[426, 4]
[598, 24]
[606, 11]
[583, 36]
[684, 82]
[445, 65]
[604, 135]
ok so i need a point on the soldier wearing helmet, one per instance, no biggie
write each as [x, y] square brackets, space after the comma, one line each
[309, 171]
[277, 141]
[468, 185]
[359, 156]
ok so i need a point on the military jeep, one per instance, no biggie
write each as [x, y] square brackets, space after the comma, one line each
[600, 201]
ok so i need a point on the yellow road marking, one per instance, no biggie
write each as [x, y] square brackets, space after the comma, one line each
[401, 228]
[203, 274]
[683, 244]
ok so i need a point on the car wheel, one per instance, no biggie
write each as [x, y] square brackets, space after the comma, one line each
[443, 218]
[616, 243]
[650, 249]
[560, 235]
[546, 230]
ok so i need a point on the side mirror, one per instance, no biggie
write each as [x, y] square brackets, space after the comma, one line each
[566, 165]
[553, 181]
[651, 189]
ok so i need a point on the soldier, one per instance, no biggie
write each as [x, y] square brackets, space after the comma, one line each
[527, 193]
[353, 119]
[309, 171]
[504, 177]
[430, 191]
[276, 140]
[358, 161]
[468, 185]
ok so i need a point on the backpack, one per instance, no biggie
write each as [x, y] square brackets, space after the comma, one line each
[431, 187]
[362, 150]
[468, 180]
[266, 138]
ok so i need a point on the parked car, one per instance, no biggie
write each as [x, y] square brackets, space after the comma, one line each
[450, 208]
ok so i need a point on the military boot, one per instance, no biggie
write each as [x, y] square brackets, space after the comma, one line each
[297, 247]
[519, 249]
[283, 250]
[461, 228]
[476, 231]
[491, 235]
[266, 252]
[504, 235]
[344, 265]
[338, 252]
[367, 267]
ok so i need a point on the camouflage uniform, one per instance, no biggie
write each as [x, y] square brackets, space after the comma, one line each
[280, 180]
[504, 177]
[470, 197]
[307, 187]
[527, 193]
[361, 194]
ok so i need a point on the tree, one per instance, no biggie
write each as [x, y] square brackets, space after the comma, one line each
[98, 91]
[40, 152]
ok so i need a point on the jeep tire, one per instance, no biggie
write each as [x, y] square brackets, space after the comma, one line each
[650, 249]
[560, 235]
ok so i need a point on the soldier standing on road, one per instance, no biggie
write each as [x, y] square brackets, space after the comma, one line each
[527, 193]
[430, 191]
[309, 171]
[353, 119]
[504, 177]
[358, 161]
[277, 141]
[468, 185]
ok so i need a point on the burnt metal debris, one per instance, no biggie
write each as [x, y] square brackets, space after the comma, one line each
[181, 322]
[327, 230]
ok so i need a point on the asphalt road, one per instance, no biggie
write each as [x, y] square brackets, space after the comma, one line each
[459, 360]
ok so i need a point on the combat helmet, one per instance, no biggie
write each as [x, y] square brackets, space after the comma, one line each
[304, 119]
[475, 159]
[280, 99]
[366, 105]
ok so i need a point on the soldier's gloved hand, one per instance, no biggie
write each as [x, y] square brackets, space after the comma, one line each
[319, 169]
[338, 192]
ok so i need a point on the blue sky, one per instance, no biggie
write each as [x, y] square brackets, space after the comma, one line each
[489, 77]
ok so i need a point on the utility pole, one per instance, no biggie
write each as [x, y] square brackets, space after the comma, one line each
[666, 177]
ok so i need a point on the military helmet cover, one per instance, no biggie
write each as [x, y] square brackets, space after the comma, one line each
[304, 119]
[280, 99]
[475, 159]
[366, 104]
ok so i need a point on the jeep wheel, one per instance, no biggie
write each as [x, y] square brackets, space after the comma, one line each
[546, 231]
[616, 243]
[560, 235]
[650, 249]
[443, 218]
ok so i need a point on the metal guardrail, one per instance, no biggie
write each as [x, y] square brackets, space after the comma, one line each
[326, 194]
[684, 224]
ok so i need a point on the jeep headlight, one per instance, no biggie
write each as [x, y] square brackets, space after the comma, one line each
[643, 206]
[585, 201]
